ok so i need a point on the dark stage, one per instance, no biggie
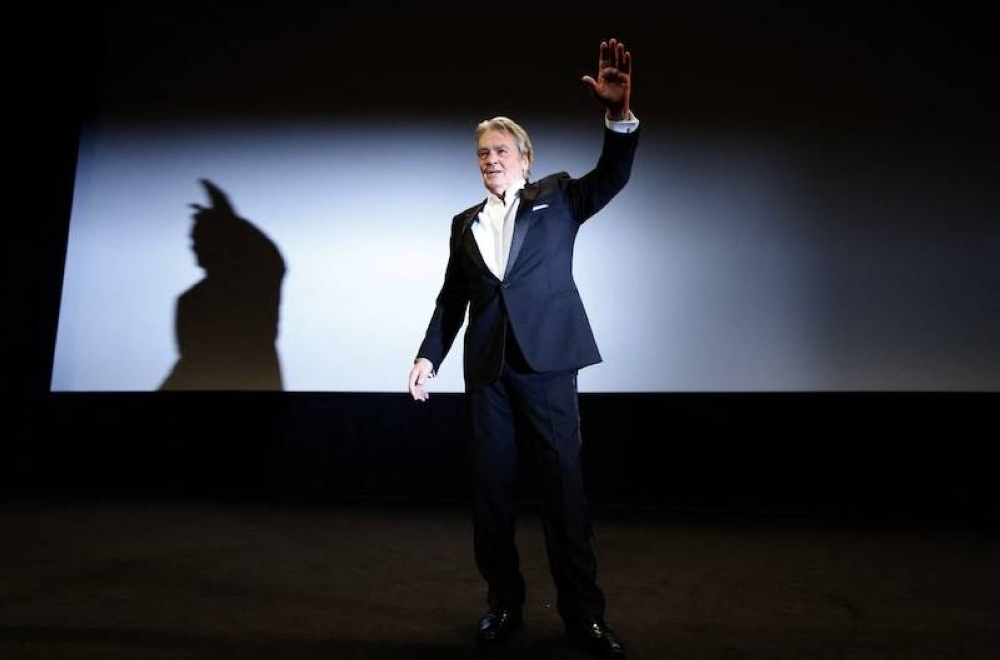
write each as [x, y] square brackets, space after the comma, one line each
[210, 580]
[282, 525]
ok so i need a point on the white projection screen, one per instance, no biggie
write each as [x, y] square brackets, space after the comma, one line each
[316, 163]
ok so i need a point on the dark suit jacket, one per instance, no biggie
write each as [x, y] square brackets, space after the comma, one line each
[537, 296]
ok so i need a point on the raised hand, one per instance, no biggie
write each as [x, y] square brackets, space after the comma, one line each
[614, 77]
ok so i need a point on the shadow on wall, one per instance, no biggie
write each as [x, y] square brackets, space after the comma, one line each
[226, 324]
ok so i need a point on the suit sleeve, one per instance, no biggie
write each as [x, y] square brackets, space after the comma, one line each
[449, 307]
[592, 192]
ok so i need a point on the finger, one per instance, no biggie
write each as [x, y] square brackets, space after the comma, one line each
[617, 51]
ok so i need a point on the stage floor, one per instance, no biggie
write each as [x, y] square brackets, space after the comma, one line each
[392, 581]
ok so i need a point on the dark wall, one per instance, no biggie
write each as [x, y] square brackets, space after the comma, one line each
[54, 58]
[924, 455]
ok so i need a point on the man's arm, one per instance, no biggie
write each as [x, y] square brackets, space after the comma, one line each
[613, 89]
[447, 319]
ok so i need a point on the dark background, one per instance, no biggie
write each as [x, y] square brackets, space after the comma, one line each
[892, 73]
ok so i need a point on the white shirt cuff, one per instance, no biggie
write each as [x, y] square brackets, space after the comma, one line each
[624, 125]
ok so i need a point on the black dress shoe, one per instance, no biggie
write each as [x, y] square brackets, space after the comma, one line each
[596, 637]
[498, 623]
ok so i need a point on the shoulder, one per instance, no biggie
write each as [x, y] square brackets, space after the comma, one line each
[550, 184]
[461, 221]
[475, 208]
[463, 217]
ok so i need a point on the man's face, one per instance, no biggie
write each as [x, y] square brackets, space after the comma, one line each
[500, 162]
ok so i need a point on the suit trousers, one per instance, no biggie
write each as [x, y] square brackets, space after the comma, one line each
[537, 413]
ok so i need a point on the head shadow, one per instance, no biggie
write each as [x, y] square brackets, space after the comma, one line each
[226, 324]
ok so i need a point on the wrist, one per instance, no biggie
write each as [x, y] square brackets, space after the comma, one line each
[618, 114]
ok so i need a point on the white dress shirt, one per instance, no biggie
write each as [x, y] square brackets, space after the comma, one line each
[496, 226]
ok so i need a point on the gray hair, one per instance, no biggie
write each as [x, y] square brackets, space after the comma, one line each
[512, 128]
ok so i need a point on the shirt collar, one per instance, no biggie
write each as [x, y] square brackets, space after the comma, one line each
[509, 196]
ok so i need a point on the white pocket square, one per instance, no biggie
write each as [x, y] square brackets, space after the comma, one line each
[539, 207]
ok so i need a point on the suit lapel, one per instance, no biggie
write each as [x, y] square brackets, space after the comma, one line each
[469, 239]
[522, 222]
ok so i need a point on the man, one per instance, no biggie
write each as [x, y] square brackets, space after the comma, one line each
[528, 334]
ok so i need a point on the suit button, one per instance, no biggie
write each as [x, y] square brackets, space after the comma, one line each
[504, 285]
